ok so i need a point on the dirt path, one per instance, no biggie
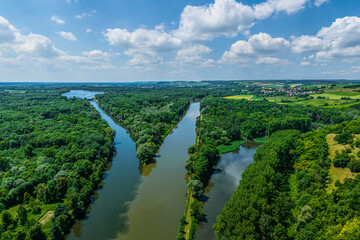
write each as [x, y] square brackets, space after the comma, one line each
[47, 216]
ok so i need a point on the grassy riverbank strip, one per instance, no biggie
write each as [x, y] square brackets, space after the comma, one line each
[261, 140]
[231, 147]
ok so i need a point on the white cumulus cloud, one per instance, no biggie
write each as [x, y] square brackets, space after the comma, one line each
[155, 40]
[272, 60]
[57, 20]
[97, 54]
[307, 43]
[37, 45]
[318, 3]
[193, 55]
[266, 9]
[7, 31]
[257, 46]
[339, 41]
[203, 23]
[67, 35]
[228, 17]
[29, 51]
[223, 17]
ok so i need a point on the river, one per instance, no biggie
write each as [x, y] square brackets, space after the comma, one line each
[135, 202]
[223, 184]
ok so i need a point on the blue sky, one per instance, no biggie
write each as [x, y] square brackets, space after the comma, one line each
[107, 41]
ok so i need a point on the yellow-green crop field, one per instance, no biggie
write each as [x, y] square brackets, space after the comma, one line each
[339, 95]
[247, 97]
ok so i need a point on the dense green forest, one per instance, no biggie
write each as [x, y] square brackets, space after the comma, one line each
[252, 119]
[303, 184]
[287, 193]
[224, 121]
[53, 154]
[150, 113]
[148, 117]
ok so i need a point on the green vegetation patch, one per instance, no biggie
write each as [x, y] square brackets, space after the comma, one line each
[339, 95]
[231, 147]
[261, 139]
[52, 150]
[148, 116]
[243, 96]
[289, 179]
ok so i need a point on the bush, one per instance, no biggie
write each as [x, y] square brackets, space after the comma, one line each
[197, 188]
[146, 152]
[354, 165]
[197, 211]
[180, 236]
[192, 148]
[344, 138]
[341, 159]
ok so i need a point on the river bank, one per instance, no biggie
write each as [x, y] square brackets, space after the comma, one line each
[134, 204]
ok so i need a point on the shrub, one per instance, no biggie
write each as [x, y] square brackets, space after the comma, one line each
[354, 165]
[341, 159]
[192, 148]
[344, 138]
[197, 188]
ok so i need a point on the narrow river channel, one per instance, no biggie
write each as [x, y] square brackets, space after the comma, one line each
[223, 184]
[139, 203]
[159, 204]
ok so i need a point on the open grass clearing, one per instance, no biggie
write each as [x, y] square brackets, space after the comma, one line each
[337, 173]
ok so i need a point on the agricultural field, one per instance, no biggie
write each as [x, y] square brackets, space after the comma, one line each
[340, 91]
[243, 96]
[339, 96]
[274, 86]
[332, 103]
[292, 100]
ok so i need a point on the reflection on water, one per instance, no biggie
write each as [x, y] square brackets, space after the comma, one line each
[139, 206]
[81, 94]
[223, 184]
[145, 170]
[159, 204]
[106, 216]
